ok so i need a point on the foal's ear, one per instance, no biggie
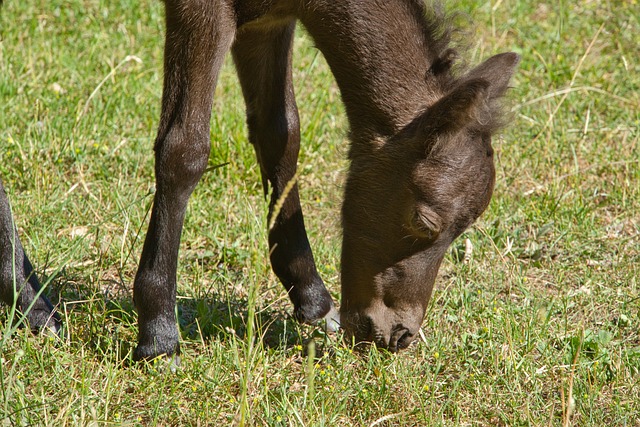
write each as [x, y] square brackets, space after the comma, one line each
[497, 70]
[472, 99]
[455, 110]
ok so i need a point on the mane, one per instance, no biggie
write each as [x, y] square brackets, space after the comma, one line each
[441, 32]
[438, 31]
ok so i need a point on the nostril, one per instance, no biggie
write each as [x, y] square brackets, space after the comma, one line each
[400, 338]
[405, 340]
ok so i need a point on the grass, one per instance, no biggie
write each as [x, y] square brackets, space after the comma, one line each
[540, 327]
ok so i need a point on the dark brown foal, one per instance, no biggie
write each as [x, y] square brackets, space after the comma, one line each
[421, 158]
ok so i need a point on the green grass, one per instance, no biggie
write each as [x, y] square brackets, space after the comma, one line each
[540, 327]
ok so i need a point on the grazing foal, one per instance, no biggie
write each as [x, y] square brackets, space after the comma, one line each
[421, 158]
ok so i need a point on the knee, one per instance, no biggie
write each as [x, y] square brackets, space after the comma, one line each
[181, 156]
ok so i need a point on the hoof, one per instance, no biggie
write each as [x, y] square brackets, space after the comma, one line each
[331, 322]
[174, 363]
[169, 364]
[148, 353]
[316, 307]
[45, 322]
[157, 337]
[163, 363]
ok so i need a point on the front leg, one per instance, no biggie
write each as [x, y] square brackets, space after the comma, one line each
[263, 62]
[198, 36]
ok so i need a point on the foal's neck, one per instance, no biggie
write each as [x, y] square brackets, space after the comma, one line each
[380, 58]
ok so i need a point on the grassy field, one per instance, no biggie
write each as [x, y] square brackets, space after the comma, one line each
[540, 327]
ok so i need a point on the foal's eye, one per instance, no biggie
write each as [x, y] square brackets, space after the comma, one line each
[425, 222]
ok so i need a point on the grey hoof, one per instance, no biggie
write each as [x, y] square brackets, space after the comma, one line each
[166, 364]
[331, 322]
[174, 363]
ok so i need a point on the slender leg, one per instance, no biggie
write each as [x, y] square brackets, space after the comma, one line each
[263, 63]
[199, 33]
[17, 277]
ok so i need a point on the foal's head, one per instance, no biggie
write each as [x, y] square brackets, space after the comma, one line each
[408, 199]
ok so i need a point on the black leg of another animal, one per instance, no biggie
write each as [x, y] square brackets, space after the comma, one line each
[263, 63]
[17, 277]
[198, 36]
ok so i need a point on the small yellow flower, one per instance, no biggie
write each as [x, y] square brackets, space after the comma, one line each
[426, 387]
[436, 355]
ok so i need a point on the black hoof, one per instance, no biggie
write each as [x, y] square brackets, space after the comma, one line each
[45, 321]
[159, 347]
[316, 308]
[156, 338]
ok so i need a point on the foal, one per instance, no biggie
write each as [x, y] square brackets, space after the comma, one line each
[421, 157]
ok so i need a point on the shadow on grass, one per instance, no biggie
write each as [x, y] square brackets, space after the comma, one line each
[103, 319]
[219, 317]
